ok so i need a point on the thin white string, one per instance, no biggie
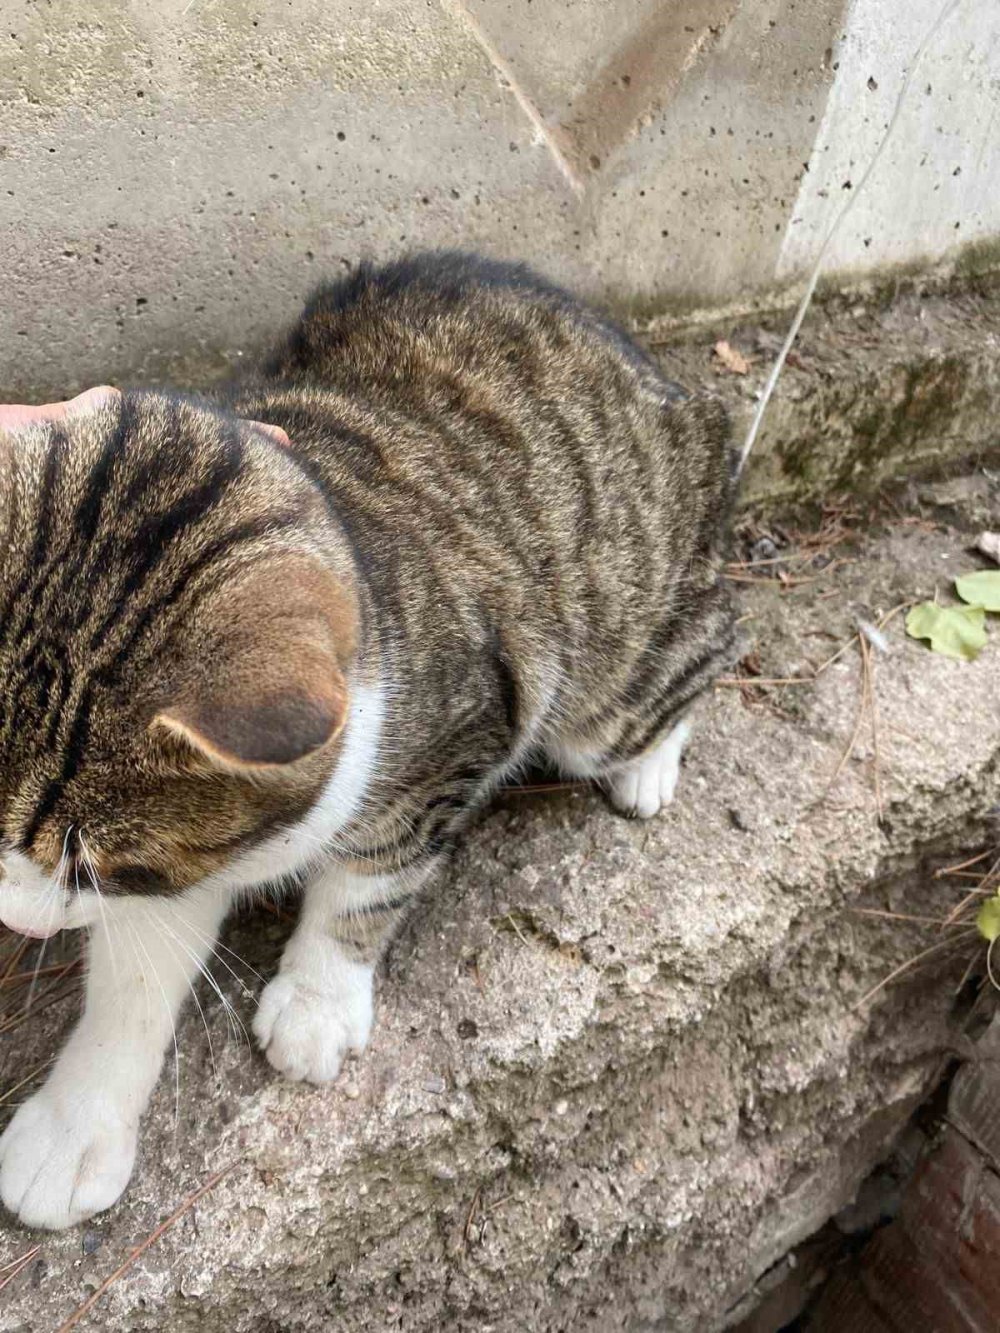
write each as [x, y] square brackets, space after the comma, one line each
[946, 12]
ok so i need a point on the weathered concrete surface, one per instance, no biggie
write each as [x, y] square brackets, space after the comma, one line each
[619, 1068]
[920, 201]
[175, 174]
[898, 385]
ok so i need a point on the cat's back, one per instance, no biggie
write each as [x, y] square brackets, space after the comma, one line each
[490, 354]
[520, 484]
[449, 314]
[446, 394]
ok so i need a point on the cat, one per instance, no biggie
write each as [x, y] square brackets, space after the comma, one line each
[299, 629]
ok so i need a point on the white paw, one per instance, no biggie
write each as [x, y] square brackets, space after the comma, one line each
[649, 783]
[63, 1159]
[306, 1026]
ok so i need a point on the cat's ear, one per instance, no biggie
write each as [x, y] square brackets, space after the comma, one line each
[248, 722]
[15, 416]
[269, 685]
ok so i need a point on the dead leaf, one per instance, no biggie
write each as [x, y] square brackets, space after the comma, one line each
[734, 361]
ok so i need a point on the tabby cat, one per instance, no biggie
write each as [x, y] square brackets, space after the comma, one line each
[456, 522]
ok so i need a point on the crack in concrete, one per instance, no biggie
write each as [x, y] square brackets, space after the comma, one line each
[550, 136]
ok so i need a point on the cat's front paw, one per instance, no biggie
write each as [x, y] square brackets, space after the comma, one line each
[64, 1158]
[306, 1024]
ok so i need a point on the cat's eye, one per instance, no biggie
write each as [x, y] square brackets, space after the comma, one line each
[140, 879]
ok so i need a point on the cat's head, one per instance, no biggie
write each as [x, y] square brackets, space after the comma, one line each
[177, 631]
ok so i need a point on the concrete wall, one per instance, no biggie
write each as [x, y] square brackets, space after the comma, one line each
[175, 174]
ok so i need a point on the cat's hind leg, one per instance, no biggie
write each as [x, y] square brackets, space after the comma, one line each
[644, 785]
[639, 787]
[628, 730]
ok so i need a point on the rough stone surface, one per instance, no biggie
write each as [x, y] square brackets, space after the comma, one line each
[900, 384]
[175, 174]
[619, 1068]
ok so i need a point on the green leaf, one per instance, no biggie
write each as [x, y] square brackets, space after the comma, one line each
[980, 589]
[956, 631]
[988, 919]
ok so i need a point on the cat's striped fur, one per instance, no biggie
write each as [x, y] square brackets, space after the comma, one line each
[473, 504]
[538, 521]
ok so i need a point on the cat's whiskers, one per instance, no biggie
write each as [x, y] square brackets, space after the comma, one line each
[92, 875]
[128, 934]
[41, 955]
[212, 946]
[194, 996]
[236, 1024]
[173, 1026]
[237, 1027]
[215, 945]
[57, 891]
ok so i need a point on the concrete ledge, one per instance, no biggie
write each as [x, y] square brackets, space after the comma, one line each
[619, 1068]
[882, 385]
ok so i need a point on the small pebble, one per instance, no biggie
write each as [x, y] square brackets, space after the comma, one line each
[91, 1242]
[764, 549]
[434, 1083]
[352, 1091]
[561, 1107]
